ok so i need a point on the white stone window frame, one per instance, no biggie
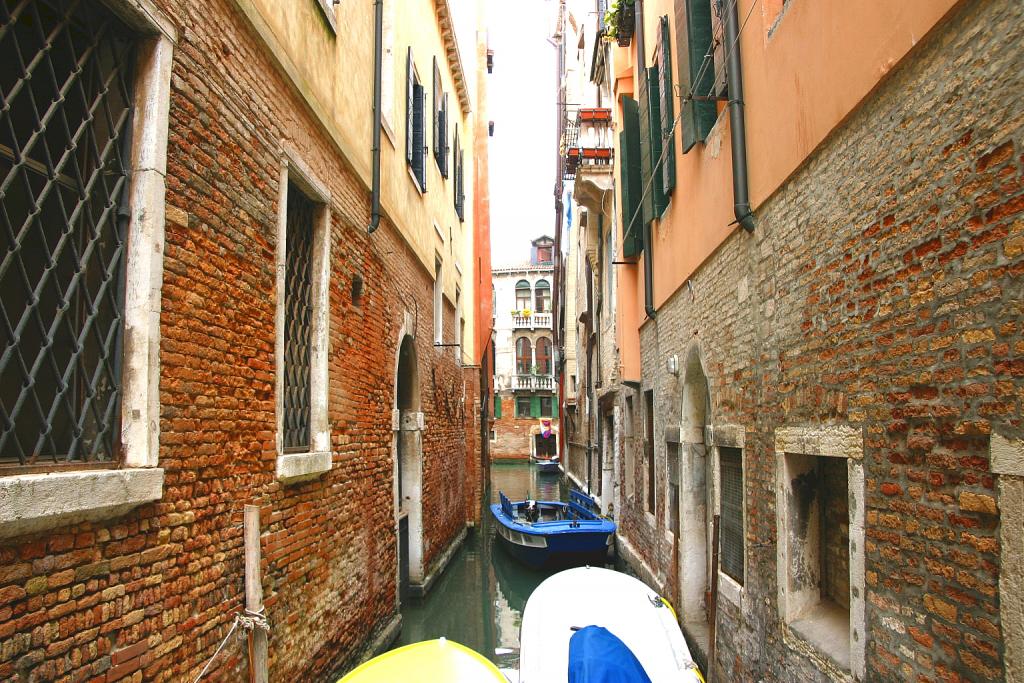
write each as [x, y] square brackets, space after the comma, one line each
[1006, 460]
[327, 7]
[34, 502]
[438, 300]
[729, 436]
[827, 441]
[298, 467]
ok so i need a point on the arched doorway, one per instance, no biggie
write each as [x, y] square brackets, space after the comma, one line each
[408, 467]
[692, 491]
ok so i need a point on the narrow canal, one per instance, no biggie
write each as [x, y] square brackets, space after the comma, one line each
[479, 600]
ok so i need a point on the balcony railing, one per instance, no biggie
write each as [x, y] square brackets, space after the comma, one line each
[531, 382]
[588, 140]
[532, 321]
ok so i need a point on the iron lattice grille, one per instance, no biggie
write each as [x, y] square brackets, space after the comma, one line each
[298, 319]
[731, 466]
[65, 118]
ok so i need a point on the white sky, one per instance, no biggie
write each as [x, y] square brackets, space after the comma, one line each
[521, 97]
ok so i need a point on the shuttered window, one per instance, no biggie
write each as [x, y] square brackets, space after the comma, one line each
[442, 128]
[645, 199]
[693, 43]
[523, 406]
[546, 406]
[535, 406]
[436, 112]
[657, 196]
[497, 406]
[667, 93]
[630, 178]
[731, 537]
[415, 125]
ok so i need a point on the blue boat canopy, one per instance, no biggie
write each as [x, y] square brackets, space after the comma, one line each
[596, 655]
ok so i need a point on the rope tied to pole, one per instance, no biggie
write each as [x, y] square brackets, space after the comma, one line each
[248, 621]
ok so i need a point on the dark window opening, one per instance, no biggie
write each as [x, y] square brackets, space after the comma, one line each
[731, 494]
[357, 290]
[649, 447]
[298, 319]
[542, 296]
[524, 356]
[65, 124]
[523, 406]
[545, 406]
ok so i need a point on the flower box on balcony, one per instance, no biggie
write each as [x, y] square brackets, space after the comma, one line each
[595, 115]
[597, 152]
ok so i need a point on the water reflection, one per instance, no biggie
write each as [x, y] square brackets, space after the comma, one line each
[479, 600]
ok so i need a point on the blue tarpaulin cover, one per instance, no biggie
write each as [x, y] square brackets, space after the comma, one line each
[596, 655]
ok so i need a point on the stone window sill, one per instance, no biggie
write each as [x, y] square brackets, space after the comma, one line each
[825, 627]
[34, 502]
[730, 589]
[296, 467]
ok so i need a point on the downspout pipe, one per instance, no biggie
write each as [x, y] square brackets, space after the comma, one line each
[378, 45]
[737, 125]
[641, 67]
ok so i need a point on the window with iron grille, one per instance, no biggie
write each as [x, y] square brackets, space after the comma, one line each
[730, 464]
[65, 121]
[298, 320]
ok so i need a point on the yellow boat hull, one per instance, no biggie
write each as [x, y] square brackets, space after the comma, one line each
[431, 661]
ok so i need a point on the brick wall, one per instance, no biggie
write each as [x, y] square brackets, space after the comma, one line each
[880, 290]
[152, 593]
[512, 434]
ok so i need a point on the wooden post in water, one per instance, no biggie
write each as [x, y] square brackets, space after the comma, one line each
[254, 596]
[713, 608]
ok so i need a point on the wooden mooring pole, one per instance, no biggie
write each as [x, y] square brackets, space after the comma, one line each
[254, 596]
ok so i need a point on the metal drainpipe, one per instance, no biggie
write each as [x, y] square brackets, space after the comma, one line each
[378, 44]
[641, 57]
[741, 198]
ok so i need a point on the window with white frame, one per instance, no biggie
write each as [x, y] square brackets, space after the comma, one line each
[542, 296]
[303, 259]
[438, 300]
[820, 517]
[522, 295]
[415, 124]
[84, 233]
[731, 536]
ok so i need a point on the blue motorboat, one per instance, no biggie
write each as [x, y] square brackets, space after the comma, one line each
[547, 533]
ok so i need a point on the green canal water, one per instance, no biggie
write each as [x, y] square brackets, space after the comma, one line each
[479, 599]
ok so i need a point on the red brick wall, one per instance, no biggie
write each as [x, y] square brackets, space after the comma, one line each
[513, 433]
[155, 591]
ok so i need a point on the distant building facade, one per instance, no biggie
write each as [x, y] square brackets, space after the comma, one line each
[526, 399]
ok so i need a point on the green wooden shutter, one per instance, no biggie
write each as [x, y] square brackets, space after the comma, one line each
[668, 166]
[535, 406]
[646, 201]
[630, 178]
[658, 199]
[497, 406]
[693, 42]
[409, 106]
[554, 406]
[443, 129]
[419, 101]
[436, 111]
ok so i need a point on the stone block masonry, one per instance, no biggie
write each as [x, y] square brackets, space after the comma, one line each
[150, 594]
[881, 292]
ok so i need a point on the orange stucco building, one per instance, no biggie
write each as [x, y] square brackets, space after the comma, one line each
[812, 260]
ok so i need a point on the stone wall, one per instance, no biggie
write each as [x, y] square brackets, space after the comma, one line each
[151, 594]
[881, 291]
